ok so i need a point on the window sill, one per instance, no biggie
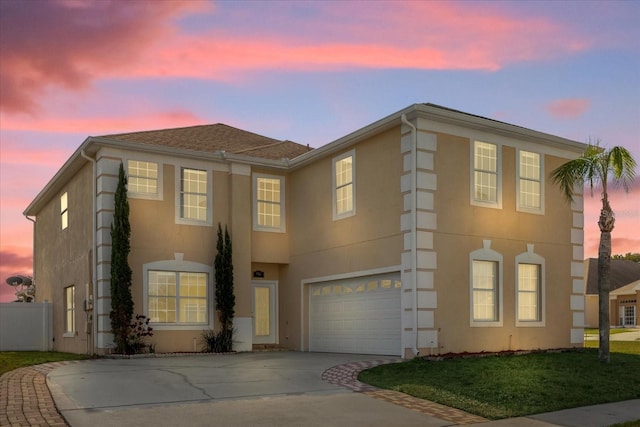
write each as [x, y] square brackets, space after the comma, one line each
[69, 335]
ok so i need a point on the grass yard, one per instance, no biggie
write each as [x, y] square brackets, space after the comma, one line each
[10, 360]
[498, 387]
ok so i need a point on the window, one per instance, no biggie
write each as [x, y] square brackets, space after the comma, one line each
[486, 186]
[64, 211]
[177, 297]
[485, 291]
[529, 293]
[530, 271]
[142, 178]
[529, 184]
[485, 271]
[268, 210]
[193, 194]
[69, 311]
[344, 185]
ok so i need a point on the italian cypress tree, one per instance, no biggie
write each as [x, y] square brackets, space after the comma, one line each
[225, 297]
[121, 301]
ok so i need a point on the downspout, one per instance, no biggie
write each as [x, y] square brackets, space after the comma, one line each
[94, 322]
[414, 229]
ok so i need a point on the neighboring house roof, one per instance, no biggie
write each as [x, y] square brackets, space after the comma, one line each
[629, 289]
[215, 138]
[622, 273]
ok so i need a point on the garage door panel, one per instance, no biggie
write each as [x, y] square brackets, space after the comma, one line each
[360, 315]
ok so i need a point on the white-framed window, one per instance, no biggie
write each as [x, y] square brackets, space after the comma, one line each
[344, 185]
[176, 297]
[486, 179]
[268, 207]
[530, 289]
[64, 211]
[194, 204]
[485, 287]
[530, 185]
[69, 311]
[143, 179]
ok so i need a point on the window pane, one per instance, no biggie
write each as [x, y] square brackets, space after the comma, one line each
[529, 165]
[485, 157]
[344, 199]
[485, 301]
[485, 187]
[529, 194]
[142, 177]
[344, 171]
[268, 202]
[193, 201]
[528, 292]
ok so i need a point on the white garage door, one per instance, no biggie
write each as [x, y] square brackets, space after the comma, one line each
[360, 315]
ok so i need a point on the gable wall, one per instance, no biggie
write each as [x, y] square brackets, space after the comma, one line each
[63, 258]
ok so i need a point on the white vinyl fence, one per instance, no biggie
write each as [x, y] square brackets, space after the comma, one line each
[26, 326]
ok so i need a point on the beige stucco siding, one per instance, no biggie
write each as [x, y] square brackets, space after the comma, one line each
[322, 247]
[63, 258]
[461, 229]
[157, 237]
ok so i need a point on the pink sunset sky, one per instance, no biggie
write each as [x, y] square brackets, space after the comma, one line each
[307, 71]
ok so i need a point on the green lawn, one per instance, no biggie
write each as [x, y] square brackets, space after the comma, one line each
[498, 387]
[10, 360]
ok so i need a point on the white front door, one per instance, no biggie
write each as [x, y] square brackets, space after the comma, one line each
[264, 312]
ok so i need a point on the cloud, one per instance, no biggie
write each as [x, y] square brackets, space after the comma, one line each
[569, 108]
[100, 125]
[72, 44]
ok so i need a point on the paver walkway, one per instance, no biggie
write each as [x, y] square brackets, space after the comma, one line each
[347, 376]
[25, 399]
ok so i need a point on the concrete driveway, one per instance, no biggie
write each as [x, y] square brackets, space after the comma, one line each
[247, 389]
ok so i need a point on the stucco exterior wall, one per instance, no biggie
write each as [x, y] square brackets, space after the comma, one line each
[321, 247]
[461, 229]
[63, 258]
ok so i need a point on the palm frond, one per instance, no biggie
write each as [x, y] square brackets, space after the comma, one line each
[623, 166]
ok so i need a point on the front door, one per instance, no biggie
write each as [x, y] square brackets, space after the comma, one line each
[264, 312]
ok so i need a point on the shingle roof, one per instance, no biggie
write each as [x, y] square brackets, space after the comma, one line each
[622, 273]
[216, 137]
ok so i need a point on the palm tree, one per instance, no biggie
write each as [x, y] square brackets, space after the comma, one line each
[598, 166]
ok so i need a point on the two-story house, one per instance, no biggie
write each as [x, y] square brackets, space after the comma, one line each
[429, 231]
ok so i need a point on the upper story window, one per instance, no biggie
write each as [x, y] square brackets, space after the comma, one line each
[143, 178]
[344, 181]
[64, 211]
[268, 209]
[194, 199]
[530, 186]
[486, 180]
[530, 289]
[486, 304]
[70, 311]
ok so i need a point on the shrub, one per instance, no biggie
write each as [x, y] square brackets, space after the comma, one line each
[217, 342]
[138, 330]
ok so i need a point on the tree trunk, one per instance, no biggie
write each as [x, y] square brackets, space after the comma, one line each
[606, 224]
